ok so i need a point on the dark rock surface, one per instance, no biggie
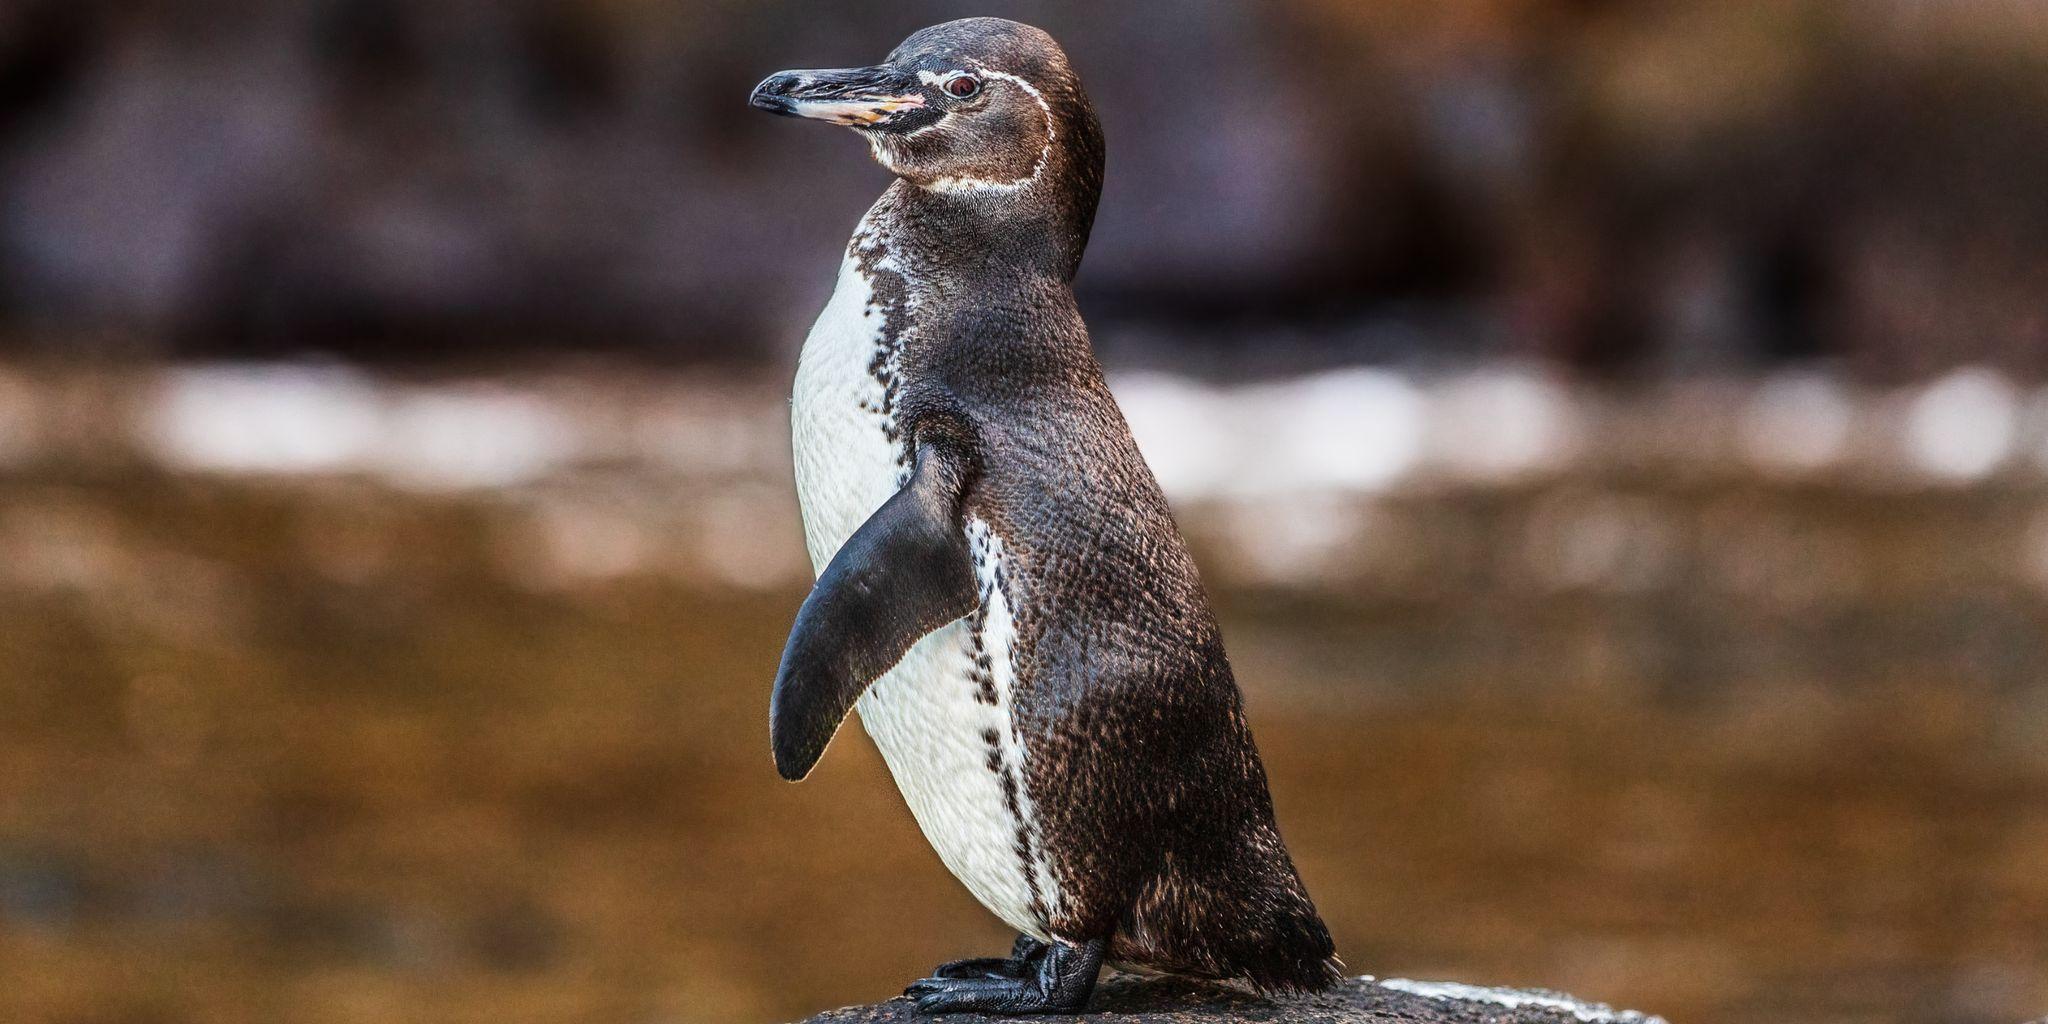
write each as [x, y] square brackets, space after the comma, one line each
[1358, 1001]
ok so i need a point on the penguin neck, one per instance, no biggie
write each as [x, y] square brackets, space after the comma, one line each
[1038, 230]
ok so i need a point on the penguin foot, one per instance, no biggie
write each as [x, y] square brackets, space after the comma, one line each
[1021, 963]
[1060, 981]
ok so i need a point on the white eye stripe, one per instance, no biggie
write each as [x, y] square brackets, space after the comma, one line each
[945, 80]
[955, 183]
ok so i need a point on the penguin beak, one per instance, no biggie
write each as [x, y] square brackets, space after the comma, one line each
[855, 97]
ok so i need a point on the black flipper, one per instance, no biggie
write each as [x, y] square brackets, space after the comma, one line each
[904, 573]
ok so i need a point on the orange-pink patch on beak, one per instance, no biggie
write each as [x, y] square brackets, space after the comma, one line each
[855, 112]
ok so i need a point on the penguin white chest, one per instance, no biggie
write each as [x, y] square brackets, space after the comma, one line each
[941, 717]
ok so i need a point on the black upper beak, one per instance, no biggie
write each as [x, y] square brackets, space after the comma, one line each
[860, 97]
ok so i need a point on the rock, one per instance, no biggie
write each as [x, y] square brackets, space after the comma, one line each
[1362, 1000]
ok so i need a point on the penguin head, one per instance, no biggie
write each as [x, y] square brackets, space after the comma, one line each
[978, 106]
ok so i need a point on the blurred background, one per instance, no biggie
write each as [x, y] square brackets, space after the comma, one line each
[1615, 435]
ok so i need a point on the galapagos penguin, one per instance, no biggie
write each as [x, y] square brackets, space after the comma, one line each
[1002, 591]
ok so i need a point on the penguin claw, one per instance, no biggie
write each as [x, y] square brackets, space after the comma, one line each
[925, 988]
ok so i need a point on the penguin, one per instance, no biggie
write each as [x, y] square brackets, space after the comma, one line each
[1001, 590]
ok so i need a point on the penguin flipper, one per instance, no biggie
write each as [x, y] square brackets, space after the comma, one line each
[905, 572]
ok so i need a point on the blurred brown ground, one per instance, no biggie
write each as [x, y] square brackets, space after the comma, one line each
[309, 749]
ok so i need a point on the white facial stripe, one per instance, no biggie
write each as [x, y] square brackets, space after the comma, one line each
[954, 183]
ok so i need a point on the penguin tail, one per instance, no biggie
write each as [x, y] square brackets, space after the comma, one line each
[1278, 942]
[1289, 952]
[1249, 919]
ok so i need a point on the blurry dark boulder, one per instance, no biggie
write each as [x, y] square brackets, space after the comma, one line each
[1665, 188]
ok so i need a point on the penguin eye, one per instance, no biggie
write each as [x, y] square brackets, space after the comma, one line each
[961, 87]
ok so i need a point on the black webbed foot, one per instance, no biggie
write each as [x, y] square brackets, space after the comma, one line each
[1021, 963]
[1063, 978]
